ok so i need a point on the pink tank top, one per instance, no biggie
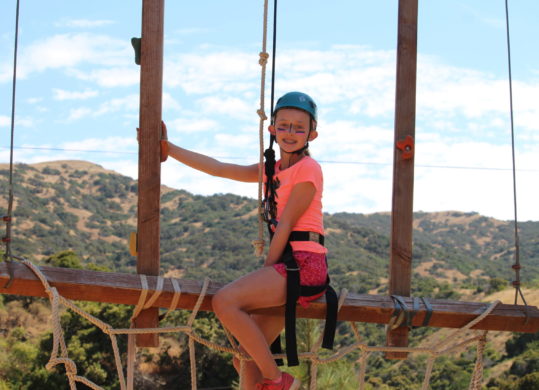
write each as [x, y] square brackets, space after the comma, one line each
[305, 170]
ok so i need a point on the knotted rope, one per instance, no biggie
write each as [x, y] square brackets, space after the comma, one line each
[59, 354]
[259, 243]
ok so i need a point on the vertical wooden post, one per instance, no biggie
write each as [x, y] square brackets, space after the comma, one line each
[400, 273]
[149, 179]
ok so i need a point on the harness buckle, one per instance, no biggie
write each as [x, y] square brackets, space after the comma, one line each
[314, 236]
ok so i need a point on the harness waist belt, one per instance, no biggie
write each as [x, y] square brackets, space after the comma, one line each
[307, 236]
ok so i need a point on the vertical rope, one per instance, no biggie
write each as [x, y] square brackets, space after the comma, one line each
[428, 372]
[9, 217]
[259, 243]
[477, 375]
[363, 368]
[118, 361]
[192, 362]
[516, 266]
[273, 55]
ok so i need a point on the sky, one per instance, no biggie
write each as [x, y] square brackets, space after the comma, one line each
[77, 95]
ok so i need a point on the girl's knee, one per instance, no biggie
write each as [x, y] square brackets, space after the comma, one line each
[220, 301]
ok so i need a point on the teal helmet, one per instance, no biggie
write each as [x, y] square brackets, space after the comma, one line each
[298, 100]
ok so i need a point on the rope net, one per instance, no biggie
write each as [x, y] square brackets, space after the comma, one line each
[59, 353]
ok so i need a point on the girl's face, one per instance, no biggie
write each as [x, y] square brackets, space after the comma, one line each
[291, 129]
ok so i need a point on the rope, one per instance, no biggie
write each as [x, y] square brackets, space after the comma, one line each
[9, 217]
[516, 267]
[477, 377]
[59, 353]
[318, 344]
[273, 55]
[263, 60]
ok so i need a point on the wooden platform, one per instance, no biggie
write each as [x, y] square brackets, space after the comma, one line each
[125, 289]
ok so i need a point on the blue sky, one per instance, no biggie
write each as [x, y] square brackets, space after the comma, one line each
[78, 86]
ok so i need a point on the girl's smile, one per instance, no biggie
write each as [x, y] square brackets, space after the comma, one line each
[292, 129]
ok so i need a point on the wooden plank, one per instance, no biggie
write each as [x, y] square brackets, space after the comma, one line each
[120, 288]
[400, 270]
[149, 180]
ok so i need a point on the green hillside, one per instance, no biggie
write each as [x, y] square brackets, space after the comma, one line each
[83, 207]
[77, 214]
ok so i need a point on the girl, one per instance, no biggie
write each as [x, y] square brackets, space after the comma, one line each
[297, 183]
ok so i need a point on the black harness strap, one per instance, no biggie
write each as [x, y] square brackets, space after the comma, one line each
[294, 290]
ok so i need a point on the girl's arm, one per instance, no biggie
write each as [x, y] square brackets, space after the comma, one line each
[211, 166]
[300, 198]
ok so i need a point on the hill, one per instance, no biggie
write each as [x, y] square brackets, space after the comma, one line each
[78, 214]
[83, 207]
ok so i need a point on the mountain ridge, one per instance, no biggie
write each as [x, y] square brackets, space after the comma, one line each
[64, 204]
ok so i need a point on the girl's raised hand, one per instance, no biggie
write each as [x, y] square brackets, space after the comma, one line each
[163, 140]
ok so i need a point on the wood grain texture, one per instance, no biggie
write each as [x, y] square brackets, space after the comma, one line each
[149, 179]
[400, 269]
[120, 288]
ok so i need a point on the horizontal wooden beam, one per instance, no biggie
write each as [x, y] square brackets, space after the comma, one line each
[121, 288]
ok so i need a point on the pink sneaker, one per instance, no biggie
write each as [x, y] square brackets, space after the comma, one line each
[288, 382]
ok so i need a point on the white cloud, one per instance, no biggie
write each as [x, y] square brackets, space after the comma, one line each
[78, 113]
[124, 167]
[60, 94]
[111, 149]
[187, 126]
[115, 145]
[126, 103]
[5, 121]
[123, 104]
[212, 72]
[176, 175]
[65, 51]
[212, 96]
[109, 77]
[235, 108]
[170, 103]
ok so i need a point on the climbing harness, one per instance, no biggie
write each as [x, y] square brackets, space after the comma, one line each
[294, 290]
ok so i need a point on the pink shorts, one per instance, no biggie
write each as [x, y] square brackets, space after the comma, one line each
[313, 271]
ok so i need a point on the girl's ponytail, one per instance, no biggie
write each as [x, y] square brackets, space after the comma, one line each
[269, 203]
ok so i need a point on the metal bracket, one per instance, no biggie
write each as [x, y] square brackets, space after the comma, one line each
[407, 147]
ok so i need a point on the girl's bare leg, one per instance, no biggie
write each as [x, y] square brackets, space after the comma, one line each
[262, 288]
[271, 327]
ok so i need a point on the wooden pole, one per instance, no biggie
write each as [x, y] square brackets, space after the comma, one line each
[400, 272]
[111, 287]
[149, 180]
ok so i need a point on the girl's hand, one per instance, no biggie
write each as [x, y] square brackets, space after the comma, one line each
[163, 141]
